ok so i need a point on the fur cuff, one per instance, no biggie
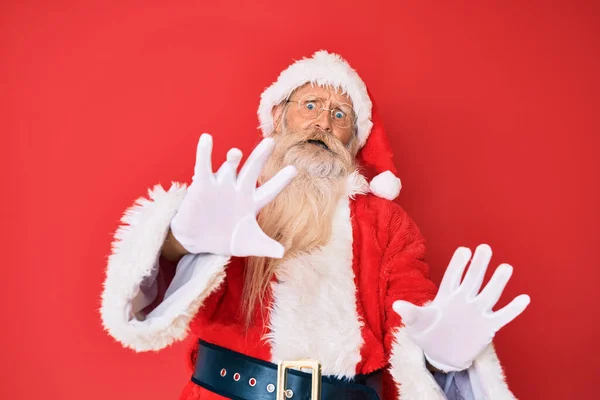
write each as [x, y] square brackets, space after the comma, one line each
[487, 377]
[407, 366]
[132, 263]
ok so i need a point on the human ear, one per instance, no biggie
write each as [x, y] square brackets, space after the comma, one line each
[277, 113]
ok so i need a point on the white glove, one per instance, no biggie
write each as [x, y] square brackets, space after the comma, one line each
[459, 324]
[218, 212]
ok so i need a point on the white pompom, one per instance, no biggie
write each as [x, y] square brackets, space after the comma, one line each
[386, 185]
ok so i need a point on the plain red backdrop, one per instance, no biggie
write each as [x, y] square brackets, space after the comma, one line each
[492, 110]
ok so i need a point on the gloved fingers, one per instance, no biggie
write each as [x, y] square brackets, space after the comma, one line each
[254, 165]
[270, 189]
[203, 167]
[407, 311]
[268, 247]
[227, 171]
[491, 293]
[510, 311]
[417, 318]
[476, 271]
[454, 272]
[249, 240]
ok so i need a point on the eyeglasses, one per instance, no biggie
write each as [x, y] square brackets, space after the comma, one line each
[310, 107]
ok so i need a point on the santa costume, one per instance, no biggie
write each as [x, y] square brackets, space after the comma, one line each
[333, 305]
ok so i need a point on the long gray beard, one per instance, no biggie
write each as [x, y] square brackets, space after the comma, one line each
[301, 216]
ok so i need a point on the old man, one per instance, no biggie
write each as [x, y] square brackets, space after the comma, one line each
[297, 277]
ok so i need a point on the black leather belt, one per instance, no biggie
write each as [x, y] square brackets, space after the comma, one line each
[239, 377]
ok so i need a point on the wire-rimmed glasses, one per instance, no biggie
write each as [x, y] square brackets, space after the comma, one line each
[310, 106]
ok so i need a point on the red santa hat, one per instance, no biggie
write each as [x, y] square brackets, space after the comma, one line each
[328, 69]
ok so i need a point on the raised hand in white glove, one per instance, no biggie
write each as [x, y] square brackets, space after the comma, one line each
[218, 212]
[459, 323]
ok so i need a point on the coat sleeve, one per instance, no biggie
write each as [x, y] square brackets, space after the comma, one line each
[147, 302]
[407, 278]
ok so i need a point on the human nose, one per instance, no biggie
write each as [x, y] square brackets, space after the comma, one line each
[323, 121]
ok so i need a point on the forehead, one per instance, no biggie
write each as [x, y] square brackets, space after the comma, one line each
[324, 92]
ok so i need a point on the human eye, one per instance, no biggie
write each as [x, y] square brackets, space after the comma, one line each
[339, 114]
[310, 105]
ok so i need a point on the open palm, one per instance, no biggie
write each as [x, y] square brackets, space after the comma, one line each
[218, 212]
[459, 323]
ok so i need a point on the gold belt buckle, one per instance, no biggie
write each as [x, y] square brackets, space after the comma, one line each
[282, 368]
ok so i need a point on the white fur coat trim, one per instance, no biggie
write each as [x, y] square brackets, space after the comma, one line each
[415, 382]
[356, 185]
[133, 262]
[408, 368]
[490, 376]
[314, 311]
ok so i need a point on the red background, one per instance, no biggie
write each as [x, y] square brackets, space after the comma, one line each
[492, 110]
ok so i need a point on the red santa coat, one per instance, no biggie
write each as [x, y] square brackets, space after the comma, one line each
[333, 305]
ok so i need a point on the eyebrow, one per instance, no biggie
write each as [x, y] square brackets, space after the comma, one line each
[335, 102]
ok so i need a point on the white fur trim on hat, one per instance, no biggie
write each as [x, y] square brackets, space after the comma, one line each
[323, 69]
[386, 185]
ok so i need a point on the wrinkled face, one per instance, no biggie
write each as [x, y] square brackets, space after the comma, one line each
[328, 121]
[319, 144]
